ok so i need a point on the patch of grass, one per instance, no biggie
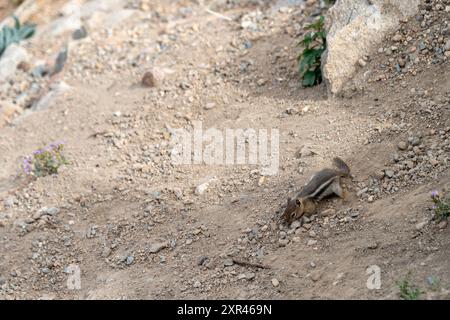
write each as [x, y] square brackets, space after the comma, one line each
[409, 291]
[441, 205]
[310, 59]
[45, 161]
[15, 34]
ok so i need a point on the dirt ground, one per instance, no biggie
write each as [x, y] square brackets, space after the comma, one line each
[131, 221]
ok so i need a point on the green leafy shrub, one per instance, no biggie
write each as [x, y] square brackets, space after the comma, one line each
[314, 44]
[45, 161]
[15, 34]
[408, 291]
[441, 205]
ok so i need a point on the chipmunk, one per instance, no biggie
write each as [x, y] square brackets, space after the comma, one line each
[322, 184]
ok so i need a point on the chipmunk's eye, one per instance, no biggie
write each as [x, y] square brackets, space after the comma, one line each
[293, 214]
[297, 202]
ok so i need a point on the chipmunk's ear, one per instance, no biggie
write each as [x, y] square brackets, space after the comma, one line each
[289, 199]
[298, 202]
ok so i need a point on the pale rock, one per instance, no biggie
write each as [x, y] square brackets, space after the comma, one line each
[354, 30]
[11, 58]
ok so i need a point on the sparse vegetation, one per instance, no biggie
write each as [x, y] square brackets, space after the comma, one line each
[45, 161]
[441, 205]
[15, 34]
[409, 291]
[314, 44]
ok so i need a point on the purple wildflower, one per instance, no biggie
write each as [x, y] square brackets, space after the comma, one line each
[434, 194]
[26, 165]
[56, 145]
[38, 152]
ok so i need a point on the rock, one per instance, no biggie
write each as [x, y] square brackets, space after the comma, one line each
[2, 281]
[52, 211]
[316, 275]
[355, 29]
[397, 37]
[328, 212]
[7, 112]
[155, 76]
[200, 189]
[296, 224]
[261, 181]
[362, 63]
[110, 19]
[409, 164]
[261, 82]
[275, 282]
[178, 193]
[149, 79]
[228, 262]
[24, 66]
[283, 242]
[156, 247]
[56, 90]
[60, 26]
[201, 260]
[447, 46]
[389, 173]
[250, 275]
[11, 58]
[372, 245]
[402, 145]
[40, 71]
[442, 224]
[210, 105]
[311, 242]
[434, 162]
[92, 231]
[197, 284]
[80, 33]
[241, 276]
[415, 141]
[421, 225]
[304, 152]
[129, 260]
[60, 61]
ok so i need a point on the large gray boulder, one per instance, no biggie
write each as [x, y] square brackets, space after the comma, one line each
[11, 58]
[355, 29]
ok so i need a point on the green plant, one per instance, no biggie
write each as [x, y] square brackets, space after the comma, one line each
[441, 205]
[45, 161]
[15, 34]
[408, 291]
[314, 44]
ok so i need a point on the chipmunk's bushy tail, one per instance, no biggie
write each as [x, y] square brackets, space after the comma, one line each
[342, 166]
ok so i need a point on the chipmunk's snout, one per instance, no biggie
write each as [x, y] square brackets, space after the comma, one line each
[290, 212]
